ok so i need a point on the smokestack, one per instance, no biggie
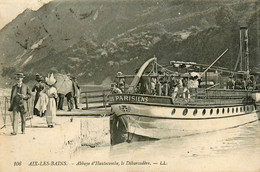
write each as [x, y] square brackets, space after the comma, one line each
[244, 51]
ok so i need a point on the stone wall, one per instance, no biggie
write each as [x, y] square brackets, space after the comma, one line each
[84, 131]
[95, 131]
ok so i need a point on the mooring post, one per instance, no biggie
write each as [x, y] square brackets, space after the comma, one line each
[86, 96]
[104, 97]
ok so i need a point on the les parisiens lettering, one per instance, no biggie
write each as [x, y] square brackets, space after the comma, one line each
[129, 98]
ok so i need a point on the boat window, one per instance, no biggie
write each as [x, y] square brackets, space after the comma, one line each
[195, 112]
[211, 111]
[237, 109]
[233, 110]
[241, 109]
[223, 110]
[217, 111]
[228, 110]
[173, 111]
[253, 108]
[204, 112]
[185, 111]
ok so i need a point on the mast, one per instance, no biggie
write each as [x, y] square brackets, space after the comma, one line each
[247, 52]
[241, 51]
[244, 51]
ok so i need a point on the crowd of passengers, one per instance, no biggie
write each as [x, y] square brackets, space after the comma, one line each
[167, 85]
[176, 86]
[242, 83]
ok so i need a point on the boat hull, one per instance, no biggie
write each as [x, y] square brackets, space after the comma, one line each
[165, 122]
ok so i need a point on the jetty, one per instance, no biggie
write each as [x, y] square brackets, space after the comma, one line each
[88, 126]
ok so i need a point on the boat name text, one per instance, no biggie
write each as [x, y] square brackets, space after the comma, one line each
[129, 98]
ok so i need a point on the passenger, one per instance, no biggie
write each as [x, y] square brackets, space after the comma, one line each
[196, 86]
[61, 100]
[254, 83]
[51, 92]
[158, 87]
[230, 83]
[144, 85]
[114, 89]
[165, 88]
[75, 91]
[177, 88]
[153, 86]
[238, 84]
[186, 92]
[20, 94]
[199, 81]
[121, 81]
[42, 103]
[38, 87]
[172, 84]
[180, 86]
[69, 97]
[191, 87]
[244, 84]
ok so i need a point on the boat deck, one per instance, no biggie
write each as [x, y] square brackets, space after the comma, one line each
[223, 97]
[199, 101]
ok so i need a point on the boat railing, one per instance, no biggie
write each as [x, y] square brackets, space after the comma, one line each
[95, 98]
[227, 93]
[211, 93]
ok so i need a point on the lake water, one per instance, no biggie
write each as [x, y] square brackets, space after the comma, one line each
[235, 149]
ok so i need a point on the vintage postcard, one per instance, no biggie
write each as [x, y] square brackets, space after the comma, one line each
[130, 85]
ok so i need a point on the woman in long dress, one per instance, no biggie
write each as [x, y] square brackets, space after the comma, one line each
[51, 106]
[42, 103]
[38, 87]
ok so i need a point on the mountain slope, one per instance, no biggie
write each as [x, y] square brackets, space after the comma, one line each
[87, 37]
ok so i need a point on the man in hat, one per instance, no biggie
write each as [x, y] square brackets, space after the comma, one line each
[75, 91]
[38, 87]
[121, 81]
[69, 97]
[19, 96]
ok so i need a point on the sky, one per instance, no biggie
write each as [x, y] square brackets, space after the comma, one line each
[9, 9]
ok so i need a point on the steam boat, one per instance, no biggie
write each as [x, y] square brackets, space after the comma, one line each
[152, 107]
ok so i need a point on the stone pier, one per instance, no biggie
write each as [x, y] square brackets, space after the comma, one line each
[72, 130]
[87, 127]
